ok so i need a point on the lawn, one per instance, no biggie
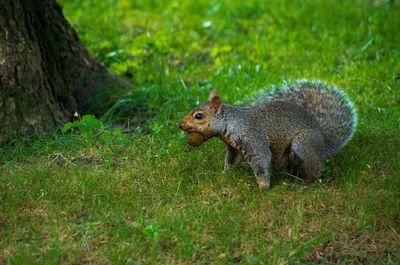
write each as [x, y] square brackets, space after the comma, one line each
[136, 193]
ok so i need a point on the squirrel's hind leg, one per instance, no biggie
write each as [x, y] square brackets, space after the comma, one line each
[232, 157]
[307, 155]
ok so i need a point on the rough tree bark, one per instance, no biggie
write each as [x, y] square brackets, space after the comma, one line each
[46, 74]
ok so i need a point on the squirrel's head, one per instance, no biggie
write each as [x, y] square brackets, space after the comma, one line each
[204, 118]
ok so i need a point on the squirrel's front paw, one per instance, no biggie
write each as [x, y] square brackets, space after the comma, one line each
[263, 184]
[227, 167]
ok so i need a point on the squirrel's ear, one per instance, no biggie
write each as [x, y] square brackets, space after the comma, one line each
[215, 102]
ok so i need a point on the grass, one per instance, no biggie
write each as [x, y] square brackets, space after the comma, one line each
[100, 196]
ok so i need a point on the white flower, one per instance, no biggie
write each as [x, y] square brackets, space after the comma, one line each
[207, 24]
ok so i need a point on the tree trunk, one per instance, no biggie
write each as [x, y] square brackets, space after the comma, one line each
[46, 74]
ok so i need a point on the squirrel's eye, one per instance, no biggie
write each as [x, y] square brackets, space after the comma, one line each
[199, 116]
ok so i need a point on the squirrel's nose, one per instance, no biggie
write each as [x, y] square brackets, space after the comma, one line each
[184, 127]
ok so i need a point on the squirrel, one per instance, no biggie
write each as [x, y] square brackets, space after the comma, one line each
[296, 127]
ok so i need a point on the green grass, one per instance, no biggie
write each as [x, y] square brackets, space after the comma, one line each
[147, 197]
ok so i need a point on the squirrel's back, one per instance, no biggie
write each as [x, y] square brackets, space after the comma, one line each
[329, 105]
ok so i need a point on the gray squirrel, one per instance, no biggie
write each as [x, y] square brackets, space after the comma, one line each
[297, 127]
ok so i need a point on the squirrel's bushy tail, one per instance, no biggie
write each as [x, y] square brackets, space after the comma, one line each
[329, 105]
